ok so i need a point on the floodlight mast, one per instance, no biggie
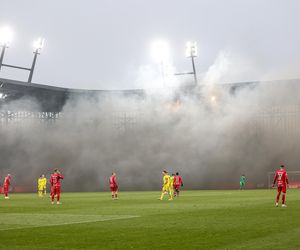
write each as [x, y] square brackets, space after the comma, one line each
[5, 39]
[38, 45]
[161, 54]
[191, 51]
[2, 55]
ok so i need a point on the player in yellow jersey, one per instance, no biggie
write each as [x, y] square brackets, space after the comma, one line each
[42, 182]
[166, 186]
[171, 185]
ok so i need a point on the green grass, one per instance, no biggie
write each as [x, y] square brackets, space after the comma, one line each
[197, 220]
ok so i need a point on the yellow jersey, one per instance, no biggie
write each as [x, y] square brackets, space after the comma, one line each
[171, 181]
[166, 180]
[42, 182]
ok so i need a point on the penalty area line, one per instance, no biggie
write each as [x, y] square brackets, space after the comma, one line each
[73, 223]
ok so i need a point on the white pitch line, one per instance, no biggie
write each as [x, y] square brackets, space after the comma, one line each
[72, 223]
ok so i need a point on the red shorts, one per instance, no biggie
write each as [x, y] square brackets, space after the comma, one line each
[55, 190]
[177, 187]
[114, 189]
[282, 189]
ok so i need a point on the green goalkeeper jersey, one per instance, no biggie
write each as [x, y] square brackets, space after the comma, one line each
[243, 179]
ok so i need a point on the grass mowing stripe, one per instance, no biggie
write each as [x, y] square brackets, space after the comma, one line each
[49, 220]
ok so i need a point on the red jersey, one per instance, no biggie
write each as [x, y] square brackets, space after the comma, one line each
[281, 177]
[6, 181]
[55, 179]
[177, 180]
[113, 181]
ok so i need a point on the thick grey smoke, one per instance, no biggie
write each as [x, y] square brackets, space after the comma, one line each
[210, 134]
[210, 142]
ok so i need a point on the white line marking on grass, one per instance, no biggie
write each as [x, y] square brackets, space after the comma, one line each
[110, 218]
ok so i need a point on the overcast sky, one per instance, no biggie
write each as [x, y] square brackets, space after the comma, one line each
[105, 44]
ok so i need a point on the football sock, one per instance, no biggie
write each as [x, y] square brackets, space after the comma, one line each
[283, 198]
[277, 198]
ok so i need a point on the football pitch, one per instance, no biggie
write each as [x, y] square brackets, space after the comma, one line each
[232, 219]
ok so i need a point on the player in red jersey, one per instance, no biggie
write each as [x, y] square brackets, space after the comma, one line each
[177, 184]
[281, 177]
[55, 185]
[6, 185]
[50, 186]
[113, 186]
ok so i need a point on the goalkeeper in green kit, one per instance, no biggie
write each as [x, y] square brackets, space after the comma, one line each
[242, 182]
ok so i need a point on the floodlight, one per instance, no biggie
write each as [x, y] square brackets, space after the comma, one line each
[38, 44]
[5, 39]
[6, 36]
[191, 49]
[160, 51]
[213, 98]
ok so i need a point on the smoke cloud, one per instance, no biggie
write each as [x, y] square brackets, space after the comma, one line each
[247, 130]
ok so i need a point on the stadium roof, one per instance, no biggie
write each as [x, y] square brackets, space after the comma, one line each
[51, 98]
